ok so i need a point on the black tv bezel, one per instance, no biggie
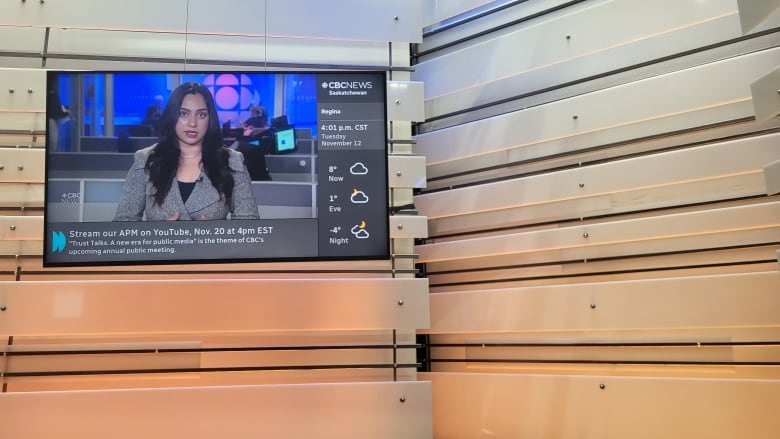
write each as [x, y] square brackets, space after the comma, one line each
[385, 255]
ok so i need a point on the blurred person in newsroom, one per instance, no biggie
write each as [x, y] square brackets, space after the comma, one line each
[257, 123]
[153, 114]
[57, 115]
[188, 174]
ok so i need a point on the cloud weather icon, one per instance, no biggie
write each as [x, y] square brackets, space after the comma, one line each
[58, 241]
[359, 230]
[358, 197]
[358, 169]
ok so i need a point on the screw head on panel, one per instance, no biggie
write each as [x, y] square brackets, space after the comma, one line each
[400, 302]
[3, 308]
[20, 167]
[402, 398]
[602, 386]
[12, 227]
[10, 90]
[585, 235]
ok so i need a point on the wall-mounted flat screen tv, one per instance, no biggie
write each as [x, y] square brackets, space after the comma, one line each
[207, 167]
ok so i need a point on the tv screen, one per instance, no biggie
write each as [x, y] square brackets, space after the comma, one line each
[179, 167]
[285, 140]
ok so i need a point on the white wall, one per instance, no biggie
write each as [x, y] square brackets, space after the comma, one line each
[602, 254]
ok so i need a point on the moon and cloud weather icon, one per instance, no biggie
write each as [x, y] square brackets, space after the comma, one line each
[359, 230]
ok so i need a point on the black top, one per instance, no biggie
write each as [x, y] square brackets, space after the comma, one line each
[185, 189]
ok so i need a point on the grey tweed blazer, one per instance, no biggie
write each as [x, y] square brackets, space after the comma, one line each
[137, 201]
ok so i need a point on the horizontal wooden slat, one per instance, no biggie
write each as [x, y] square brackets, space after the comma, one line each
[23, 90]
[726, 159]
[505, 405]
[24, 123]
[683, 231]
[13, 195]
[22, 165]
[296, 356]
[21, 228]
[22, 141]
[330, 411]
[589, 206]
[134, 307]
[691, 302]
[699, 262]
[31, 267]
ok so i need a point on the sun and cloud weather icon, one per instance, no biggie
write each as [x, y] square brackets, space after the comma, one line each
[359, 230]
[58, 241]
[358, 197]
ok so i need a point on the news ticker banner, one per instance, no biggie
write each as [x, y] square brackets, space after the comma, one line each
[156, 241]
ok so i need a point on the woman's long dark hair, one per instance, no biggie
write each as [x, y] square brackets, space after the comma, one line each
[163, 161]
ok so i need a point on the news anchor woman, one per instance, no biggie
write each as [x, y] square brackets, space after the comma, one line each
[188, 174]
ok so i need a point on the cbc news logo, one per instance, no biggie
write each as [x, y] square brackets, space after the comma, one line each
[347, 85]
[58, 241]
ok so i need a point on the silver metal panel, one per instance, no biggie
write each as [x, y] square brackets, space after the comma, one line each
[484, 21]
[22, 90]
[230, 17]
[401, 57]
[238, 305]
[23, 123]
[25, 140]
[766, 95]
[250, 49]
[405, 101]
[772, 177]
[755, 15]
[168, 16]
[367, 20]
[571, 47]
[437, 11]
[656, 171]
[103, 63]
[382, 410]
[146, 46]
[17, 39]
[703, 95]
[406, 171]
[326, 53]
[679, 232]
[408, 226]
